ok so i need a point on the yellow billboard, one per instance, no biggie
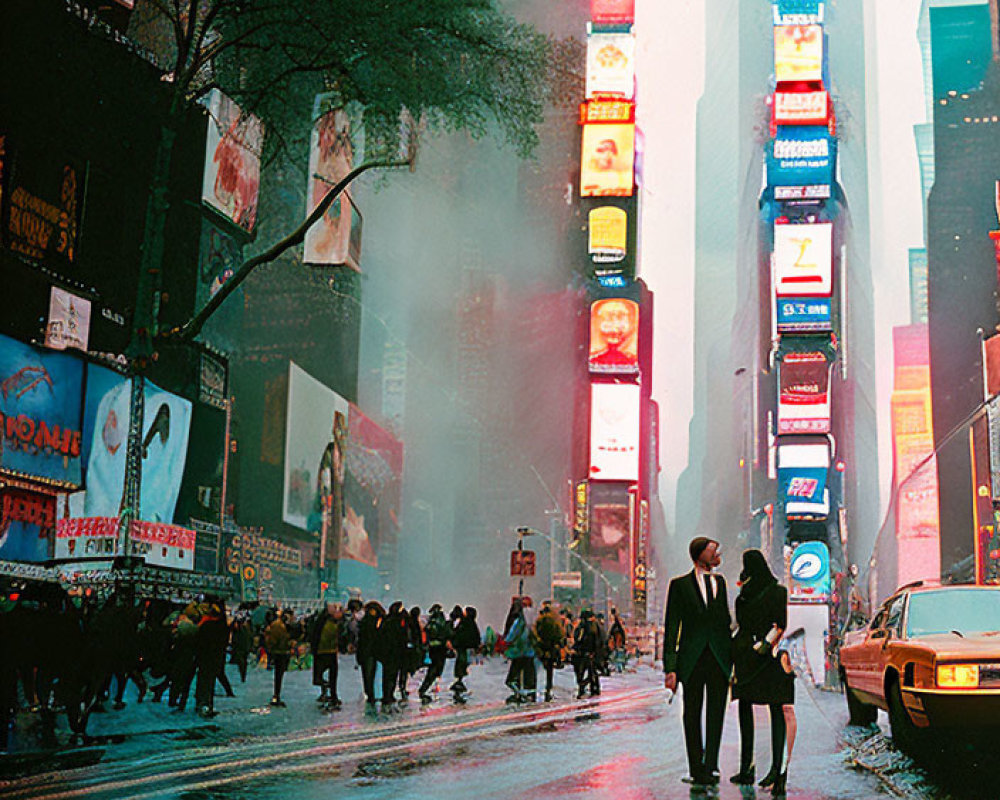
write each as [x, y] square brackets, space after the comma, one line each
[798, 53]
[607, 161]
[608, 229]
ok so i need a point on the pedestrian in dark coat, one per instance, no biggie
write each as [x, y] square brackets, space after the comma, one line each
[467, 639]
[416, 649]
[390, 650]
[328, 639]
[438, 642]
[550, 637]
[366, 647]
[241, 642]
[586, 650]
[697, 653]
[210, 653]
[760, 677]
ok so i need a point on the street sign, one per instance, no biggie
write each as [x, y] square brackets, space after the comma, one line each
[522, 563]
[567, 580]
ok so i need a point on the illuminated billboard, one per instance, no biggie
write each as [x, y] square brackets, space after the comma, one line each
[607, 160]
[607, 229]
[40, 407]
[166, 425]
[801, 108]
[801, 162]
[804, 393]
[610, 64]
[802, 476]
[328, 241]
[69, 321]
[809, 573]
[232, 161]
[610, 537]
[614, 335]
[803, 259]
[804, 314]
[315, 447]
[614, 432]
[612, 11]
[798, 53]
[798, 12]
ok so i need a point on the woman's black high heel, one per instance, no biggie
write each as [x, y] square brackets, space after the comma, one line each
[745, 777]
[779, 787]
[769, 779]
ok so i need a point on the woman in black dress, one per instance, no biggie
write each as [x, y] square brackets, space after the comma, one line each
[763, 674]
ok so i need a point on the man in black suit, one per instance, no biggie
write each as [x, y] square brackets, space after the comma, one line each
[697, 653]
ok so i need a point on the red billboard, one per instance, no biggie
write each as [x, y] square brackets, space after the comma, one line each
[801, 108]
[614, 335]
[606, 12]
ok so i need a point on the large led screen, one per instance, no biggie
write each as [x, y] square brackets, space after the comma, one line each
[804, 314]
[610, 537]
[804, 393]
[803, 259]
[166, 425]
[798, 53]
[232, 163]
[608, 158]
[801, 108]
[40, 412]
[802, 476]
[801, 162]
[614, 335]
[614, 432]
[331, 157]
[310, 443]
[809, 571]
[373, 488]
[611, 64]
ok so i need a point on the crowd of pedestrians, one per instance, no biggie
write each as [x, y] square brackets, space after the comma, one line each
[75, 655]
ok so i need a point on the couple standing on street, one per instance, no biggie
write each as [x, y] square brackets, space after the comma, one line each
[701, 653]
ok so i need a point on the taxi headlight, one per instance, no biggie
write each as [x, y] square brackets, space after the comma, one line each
[958, 676]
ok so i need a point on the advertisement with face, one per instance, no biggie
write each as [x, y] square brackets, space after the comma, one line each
[315, 441]
[40, 412]
[166, 425]
[69, 321]
[804, 393]
[614, 335]
[614, 432]
[607, 161]
[610, 534]
[611, 64]
[803, 259]
[232, 161]
[612, 11]
[798, 53]
[331, 157]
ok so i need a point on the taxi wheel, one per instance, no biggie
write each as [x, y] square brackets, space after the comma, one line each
[859, 713]
[905, 734]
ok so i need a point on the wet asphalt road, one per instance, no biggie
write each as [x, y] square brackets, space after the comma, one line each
[627, 744]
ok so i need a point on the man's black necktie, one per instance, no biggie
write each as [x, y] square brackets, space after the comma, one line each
[708, 588]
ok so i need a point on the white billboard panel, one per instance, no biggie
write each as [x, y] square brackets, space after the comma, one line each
[614, 432]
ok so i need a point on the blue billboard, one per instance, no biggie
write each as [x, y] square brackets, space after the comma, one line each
[40, 412]
[801, 158]
[809, 570]
[804, 314]
[797, 12]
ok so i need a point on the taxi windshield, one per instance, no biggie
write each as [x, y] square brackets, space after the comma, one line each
[958, 611]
